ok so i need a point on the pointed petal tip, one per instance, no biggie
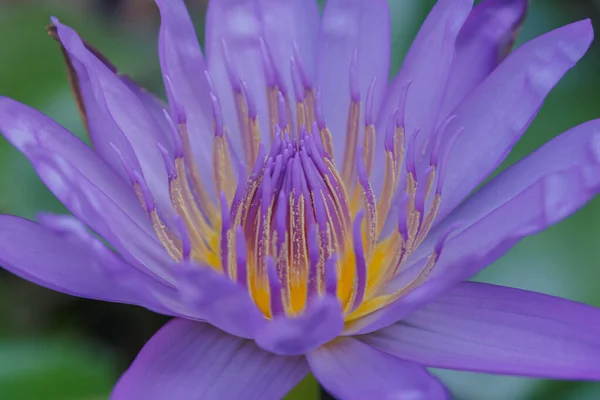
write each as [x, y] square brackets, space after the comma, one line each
[163, 6]
[587, 27]
[51, 28]
[581, 35]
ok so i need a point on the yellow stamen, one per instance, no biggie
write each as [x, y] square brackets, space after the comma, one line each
[369, 148]
[389, 187]
[298, 276]
[349, 164]
[222, 170]
[301, 120]
[327, 141]
[140, 195]
[200, 232]
[309, 106]
[272, 99]
[398, 149]
[197, 185]
[169, 241]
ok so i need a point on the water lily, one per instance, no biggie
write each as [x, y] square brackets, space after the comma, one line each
[297, 213]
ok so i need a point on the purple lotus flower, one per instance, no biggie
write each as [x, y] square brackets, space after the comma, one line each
[295, 213]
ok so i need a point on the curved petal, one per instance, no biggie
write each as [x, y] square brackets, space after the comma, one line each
[500, 330]
[240, 25]
[108, 270]
[499, 110]
[193, 360]
[322, 322]
[539, 191]
[237, 23]
[350, 26]
[127, 111]
[558, 179]
[62, 255]
[351, 370]
[183, 67]
[156, 108]
[290, 22]
[484, 41]
[77, 265]
[426, 66]
[213, 297]
[93, 205]
[101, 127]
[27, 128]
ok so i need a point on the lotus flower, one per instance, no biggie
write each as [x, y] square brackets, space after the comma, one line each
[296, 213]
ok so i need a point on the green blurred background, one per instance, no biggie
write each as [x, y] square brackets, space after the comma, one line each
[56, 347]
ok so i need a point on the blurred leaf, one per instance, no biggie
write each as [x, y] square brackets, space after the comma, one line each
[571, 390]
[477, 386]
[308, 389]
[52, 370]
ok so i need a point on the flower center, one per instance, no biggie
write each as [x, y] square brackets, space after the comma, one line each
[295, 226]
[295, 217]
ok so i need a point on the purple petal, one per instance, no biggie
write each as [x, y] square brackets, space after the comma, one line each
[484, 41]
[348, 26]
[107, 267]
[74, 263]
[213, 297]
[290, 22]
[542, 189]
[27, 128]
[427, 66]
[63, 256]
[100, 212]
[101, 127]
[193, 360]
[85, 197]
[156, 108]
[322, 322]
[499, 110]
[494, 329]
[237, 23]
[183, 69]
[350, 369]
[128, 113]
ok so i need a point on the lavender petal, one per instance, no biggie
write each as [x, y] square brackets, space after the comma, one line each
[322, 322]
[237, 25]
[500, 330]
[28, 129]
[289, 23]
[183, 66]
[64, 258]
[350, 369]
[483, 43]
[128, 113]
[499, 110]
[193, 360]
[427, 67]
[350, 26]
[213, 297]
